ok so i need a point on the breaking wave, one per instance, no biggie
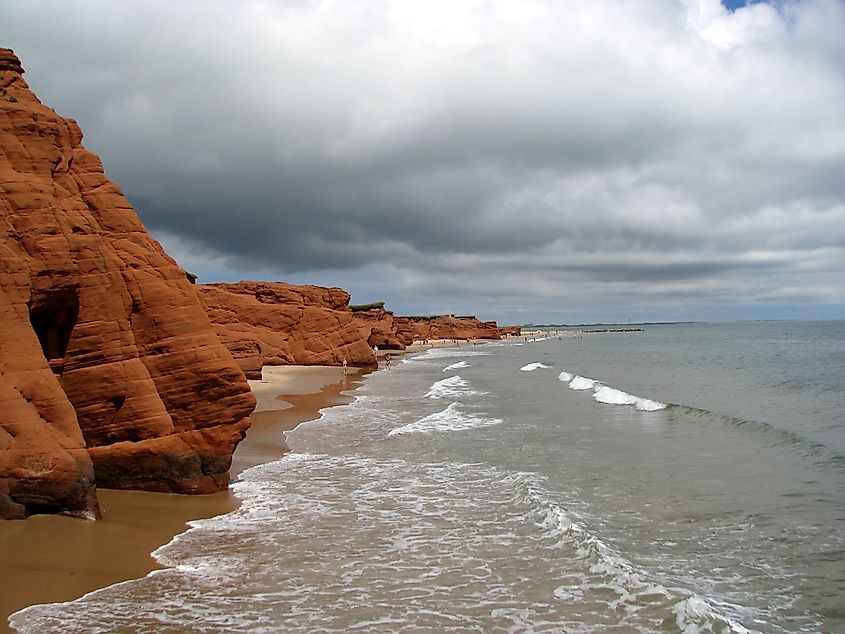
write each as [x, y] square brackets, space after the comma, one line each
[456, 366]
[610, 395]
[449, 388]
[610, 570]
[447, 353]
[583, 383]
[534, 366]
[450, 419]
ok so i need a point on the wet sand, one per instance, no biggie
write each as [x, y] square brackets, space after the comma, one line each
[287, 396]
[46, 558]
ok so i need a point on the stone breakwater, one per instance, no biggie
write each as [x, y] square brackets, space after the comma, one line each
[110, 371]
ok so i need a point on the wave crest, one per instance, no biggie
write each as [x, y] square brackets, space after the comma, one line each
[534, 366]
[449, 419]
[583, 383]
[449, 388]
[610, 395]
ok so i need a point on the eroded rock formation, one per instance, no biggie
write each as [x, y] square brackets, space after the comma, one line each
[273, 323]
[377, 326]
[109, 368]
[468, 327]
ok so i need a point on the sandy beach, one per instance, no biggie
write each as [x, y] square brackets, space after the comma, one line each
[46, 558]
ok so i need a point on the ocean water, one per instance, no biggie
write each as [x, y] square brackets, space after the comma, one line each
[688, 478]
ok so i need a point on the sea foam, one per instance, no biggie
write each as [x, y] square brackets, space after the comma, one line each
[446, 353]
[449, 388]
[456, 366]
[534, 366]
[695, 614]
[449, 419]
[612, 396]
[583, 383]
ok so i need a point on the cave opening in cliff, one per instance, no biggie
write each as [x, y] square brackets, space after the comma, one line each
[53, 316]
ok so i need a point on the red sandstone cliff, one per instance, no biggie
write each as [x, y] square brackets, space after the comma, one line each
[109, 367]
[273, 323]
[409, 329]
[377, 326]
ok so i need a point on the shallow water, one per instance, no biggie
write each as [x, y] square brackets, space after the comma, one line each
[686, 478]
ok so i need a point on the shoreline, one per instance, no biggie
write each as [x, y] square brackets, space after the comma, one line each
[52, 558]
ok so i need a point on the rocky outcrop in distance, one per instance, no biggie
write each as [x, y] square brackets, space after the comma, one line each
[110, 372]
[510, 331]
[423, 328]
[273, 323]
[378, 326]
[390, 332]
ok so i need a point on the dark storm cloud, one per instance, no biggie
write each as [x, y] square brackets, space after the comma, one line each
[588, 155]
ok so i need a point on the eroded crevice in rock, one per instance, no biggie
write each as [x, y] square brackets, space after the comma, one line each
[53, 316]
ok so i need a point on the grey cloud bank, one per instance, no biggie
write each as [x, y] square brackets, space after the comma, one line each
[525, 161]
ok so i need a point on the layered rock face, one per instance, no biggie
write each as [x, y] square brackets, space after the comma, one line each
[409, 329]
[273, 323]
[378, 328]
[109, 368]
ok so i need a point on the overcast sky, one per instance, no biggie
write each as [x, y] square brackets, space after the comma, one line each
[527, 161]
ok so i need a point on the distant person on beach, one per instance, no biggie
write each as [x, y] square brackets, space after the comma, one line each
[344, 367]
[387, 361]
